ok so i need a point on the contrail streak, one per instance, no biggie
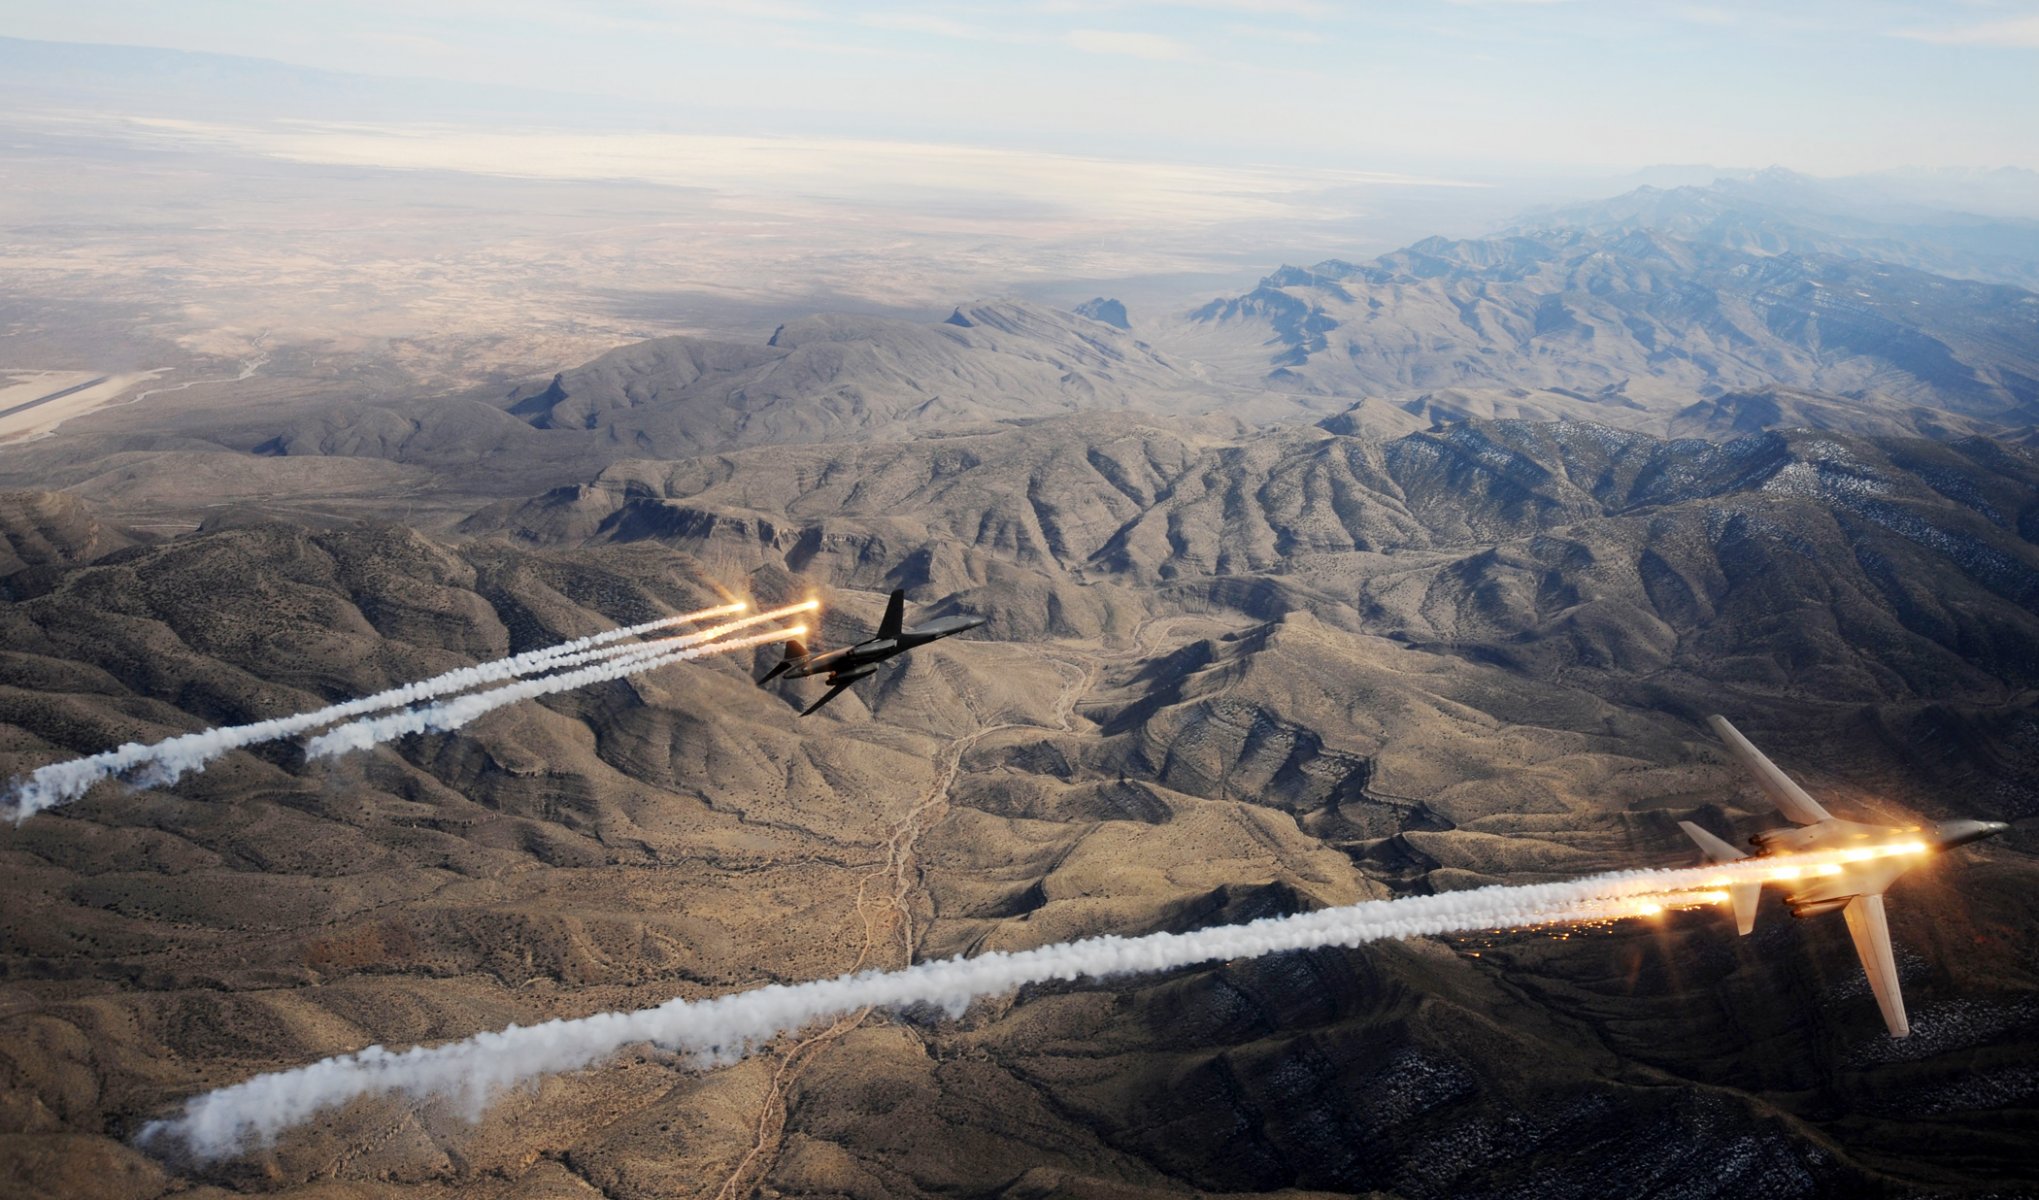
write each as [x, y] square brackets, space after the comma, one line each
[166, 761]
[222, 1122]
[452, 714]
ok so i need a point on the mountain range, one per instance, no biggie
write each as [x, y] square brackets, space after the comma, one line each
[1377, 579]
[1635, 320]
[1778, 211]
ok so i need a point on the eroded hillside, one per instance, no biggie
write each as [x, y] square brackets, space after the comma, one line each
[1636, 323]
[1227, 674]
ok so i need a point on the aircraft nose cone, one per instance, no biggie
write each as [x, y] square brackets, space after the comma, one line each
[1960, 833]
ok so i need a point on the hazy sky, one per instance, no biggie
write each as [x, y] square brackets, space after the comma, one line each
[1829, 86]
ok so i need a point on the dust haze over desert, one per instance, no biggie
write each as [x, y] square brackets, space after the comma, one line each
[1375, 438]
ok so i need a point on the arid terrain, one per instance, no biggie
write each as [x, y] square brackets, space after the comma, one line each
[1228, 673]
[1387, 576]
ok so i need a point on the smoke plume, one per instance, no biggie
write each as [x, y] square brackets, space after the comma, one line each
[472, 1071]
[157, 764]
[452, 714]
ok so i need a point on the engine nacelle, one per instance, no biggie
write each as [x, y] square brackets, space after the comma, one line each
[1813, 908]
[1784, 841]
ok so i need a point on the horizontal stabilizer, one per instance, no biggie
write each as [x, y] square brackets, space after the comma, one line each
[1714, 849]
[1744, 896]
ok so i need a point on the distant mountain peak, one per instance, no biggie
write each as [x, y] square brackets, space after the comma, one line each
[1100, 308]
[1777, 210]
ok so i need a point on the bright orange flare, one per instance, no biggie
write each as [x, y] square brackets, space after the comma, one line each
[1780, 868]
[713, 632]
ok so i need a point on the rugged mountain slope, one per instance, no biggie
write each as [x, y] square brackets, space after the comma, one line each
[347, 448]
[51, 530]
[1481, 531]
[1236, 664]
[1634, 319]
[1273, 752]
[834, 378]
[819, 379]
[1638, 332]
[1228, 674]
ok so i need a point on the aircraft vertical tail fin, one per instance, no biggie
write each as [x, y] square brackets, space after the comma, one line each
[1743, 896]
[795, 651]
[895, 615]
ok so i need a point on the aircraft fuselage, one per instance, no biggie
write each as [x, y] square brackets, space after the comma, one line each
[851, 663]
[1872, 857]
[871, 652]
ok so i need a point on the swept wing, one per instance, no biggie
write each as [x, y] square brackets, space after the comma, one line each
[1790, 799]
[1872, 943]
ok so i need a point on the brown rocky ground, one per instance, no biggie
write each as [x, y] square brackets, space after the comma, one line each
[1227, 675]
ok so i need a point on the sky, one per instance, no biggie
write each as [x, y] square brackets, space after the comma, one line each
[1826, 86]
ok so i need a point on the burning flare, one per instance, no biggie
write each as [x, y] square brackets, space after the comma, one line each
[726, 1027]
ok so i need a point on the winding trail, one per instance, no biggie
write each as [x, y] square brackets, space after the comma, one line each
[892, 913]
[894, 910]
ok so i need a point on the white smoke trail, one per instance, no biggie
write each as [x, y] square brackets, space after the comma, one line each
[222, 1122]
[452, 714]
[162, 763]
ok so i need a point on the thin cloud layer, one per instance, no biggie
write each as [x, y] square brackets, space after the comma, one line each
[1573, 83]
[1151, 46]
[2019, 32]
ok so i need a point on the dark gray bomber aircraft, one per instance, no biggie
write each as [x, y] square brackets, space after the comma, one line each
[851, 663]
